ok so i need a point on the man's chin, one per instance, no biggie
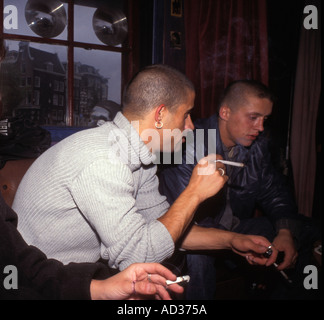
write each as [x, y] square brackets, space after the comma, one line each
[246, 143]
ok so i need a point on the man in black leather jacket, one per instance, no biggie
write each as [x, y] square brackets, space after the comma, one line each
[238, 128]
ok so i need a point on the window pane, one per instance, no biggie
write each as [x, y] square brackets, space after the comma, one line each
[97, 79]
[83, 20]
[35, 76]
[15, 20]
[34, 82]
[83, 31]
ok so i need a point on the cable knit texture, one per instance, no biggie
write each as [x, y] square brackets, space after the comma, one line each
[95, 194]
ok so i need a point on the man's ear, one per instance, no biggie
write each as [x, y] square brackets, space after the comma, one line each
[224, 112]
[159, 112]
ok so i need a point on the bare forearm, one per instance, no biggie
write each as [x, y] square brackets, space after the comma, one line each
[250, 246]
[204, 183]
[200, 238]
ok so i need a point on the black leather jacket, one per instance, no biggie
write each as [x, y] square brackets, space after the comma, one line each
[258, 184]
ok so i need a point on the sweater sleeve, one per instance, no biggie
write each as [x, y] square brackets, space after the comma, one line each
[105, 193]
[149, 201]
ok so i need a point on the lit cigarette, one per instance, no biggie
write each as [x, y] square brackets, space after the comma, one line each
[231, 163]
[179, 280]
[283, 273]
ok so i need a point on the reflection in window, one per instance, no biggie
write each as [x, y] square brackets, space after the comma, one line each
[22, 26]
[35, 76]
[22, 81]
[55, 100]
[37, 82]
[36, 97]
[56, 85]
[95, 83]
[41, 64]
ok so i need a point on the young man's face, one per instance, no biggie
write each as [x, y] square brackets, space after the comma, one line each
[175, 123]
[244, 124]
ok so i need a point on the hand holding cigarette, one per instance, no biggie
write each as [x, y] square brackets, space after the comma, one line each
[180, 280]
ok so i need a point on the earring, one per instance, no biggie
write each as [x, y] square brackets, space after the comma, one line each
[158, 124]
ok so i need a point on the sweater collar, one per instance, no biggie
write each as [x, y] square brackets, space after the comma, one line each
[137, 149]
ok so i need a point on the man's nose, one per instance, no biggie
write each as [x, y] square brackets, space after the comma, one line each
[189, 124]
[260, 125]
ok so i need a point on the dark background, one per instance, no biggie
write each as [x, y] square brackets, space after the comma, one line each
[284, 22]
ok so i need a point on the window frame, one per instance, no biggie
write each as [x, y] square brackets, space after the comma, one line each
[71, 44]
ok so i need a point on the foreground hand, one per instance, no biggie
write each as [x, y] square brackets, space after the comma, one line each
[253, 247]
[133, 283]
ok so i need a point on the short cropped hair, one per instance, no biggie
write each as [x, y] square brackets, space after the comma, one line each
[237, 92]
[156, 85]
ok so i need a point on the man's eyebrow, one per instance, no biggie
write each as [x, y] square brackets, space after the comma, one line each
[259, 114]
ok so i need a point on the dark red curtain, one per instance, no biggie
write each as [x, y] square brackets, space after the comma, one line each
[305, 114]
[226, 40]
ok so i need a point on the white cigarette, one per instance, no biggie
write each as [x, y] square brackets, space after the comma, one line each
[283, 273]
[179, 279]
[231, 163]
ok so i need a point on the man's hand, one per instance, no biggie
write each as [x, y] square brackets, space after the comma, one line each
[284, 242]
[250, 246]
[138, 281]
[253, 247]
[206, 180]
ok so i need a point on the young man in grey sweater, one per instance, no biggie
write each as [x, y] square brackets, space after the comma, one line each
[95, 194]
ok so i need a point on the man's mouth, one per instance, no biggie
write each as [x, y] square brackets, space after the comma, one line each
[252, 136]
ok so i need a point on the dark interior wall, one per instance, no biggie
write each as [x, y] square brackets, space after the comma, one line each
[174, 46]
[318, 194]
[146, 36]
[157, 25]
[284, 22]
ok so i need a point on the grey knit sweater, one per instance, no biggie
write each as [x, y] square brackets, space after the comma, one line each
[95, 194]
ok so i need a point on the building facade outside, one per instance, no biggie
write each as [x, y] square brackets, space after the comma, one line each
[34, 86]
